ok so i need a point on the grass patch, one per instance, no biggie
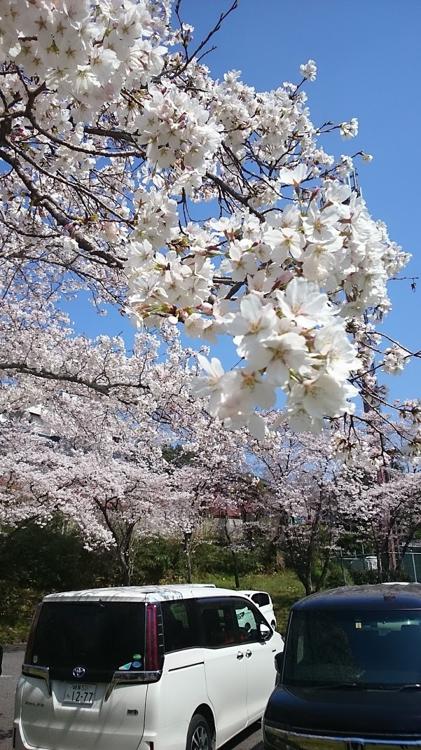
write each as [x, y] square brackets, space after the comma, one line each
[284, 588]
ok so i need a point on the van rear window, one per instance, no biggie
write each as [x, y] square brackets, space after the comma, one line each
[100, 637]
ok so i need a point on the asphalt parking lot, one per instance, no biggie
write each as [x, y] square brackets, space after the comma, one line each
[251, 739]
[12, 661]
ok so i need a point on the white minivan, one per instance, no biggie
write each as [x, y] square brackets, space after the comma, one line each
[143, 668]
[262, 600]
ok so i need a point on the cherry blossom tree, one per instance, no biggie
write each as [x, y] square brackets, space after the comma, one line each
[299, 474]
[96, 451]
[210, 484]
[99, 480]
[380, 490]
[115, 142]
[110, 490]
[112, 130]
[342, 485]
[130, 457]
[118, 445]
[234, 504]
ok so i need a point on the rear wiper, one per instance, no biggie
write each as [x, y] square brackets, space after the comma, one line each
[336, 685]
[367, 686]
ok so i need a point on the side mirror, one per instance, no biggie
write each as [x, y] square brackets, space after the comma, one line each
[265, 631]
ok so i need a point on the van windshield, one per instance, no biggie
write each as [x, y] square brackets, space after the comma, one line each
[100, 637]
[354, 648]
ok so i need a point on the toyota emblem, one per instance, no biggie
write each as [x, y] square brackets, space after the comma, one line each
[79, 672]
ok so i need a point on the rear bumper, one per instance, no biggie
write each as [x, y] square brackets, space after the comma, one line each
[20, 743]
[282, 739]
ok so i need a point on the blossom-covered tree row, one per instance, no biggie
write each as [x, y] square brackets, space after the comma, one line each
[112, 442]
[122, 449]
[115, 140]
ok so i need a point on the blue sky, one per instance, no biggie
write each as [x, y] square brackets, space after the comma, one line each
[368, 55]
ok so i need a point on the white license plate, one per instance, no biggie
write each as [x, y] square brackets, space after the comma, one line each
[80, 694]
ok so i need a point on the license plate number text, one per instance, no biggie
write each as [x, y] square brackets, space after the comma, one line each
[81, 695]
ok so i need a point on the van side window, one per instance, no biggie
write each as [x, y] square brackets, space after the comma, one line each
[179, 630]
[218, 624]
[248, 623]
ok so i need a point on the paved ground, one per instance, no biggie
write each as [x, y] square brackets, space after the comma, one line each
[12, 661]
[251, 739]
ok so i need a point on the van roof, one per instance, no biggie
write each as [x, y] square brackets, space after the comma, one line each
[385, 596]
[144, 593]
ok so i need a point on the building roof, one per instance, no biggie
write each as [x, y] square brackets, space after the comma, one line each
[385, 596]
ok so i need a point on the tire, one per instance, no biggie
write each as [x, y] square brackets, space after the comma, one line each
[199, 734]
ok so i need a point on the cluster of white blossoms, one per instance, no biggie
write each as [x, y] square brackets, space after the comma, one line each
[85, 52]
[349, 129]
[176, 128]
[126, 163]
[395, 359]
[309, 70]
[299, 277]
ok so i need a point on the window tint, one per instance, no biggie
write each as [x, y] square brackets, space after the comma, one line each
[261, 599]
[229, 622]
[99, 636]
[365, 647]
[179, 629]
[220, 627]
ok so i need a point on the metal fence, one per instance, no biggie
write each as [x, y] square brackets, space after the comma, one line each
[411, 564]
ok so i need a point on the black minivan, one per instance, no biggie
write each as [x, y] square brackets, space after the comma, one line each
[350, 675]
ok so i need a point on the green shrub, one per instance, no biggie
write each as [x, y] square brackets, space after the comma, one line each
[17, 606]
[365, 576]
[338, 575]
[157, 558]
[52, 558]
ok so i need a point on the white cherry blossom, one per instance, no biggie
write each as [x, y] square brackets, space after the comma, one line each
[309, 70]
[349, 129]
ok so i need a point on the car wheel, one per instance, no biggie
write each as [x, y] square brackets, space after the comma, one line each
[199, 735]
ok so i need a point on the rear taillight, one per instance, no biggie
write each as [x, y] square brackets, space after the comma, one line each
[152, 657]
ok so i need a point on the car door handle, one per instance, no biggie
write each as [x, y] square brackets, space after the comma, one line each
[240, 655]
[249, 653]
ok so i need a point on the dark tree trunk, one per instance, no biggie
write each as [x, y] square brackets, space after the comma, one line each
[187, 552]
[233, 554]
[235, 566]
